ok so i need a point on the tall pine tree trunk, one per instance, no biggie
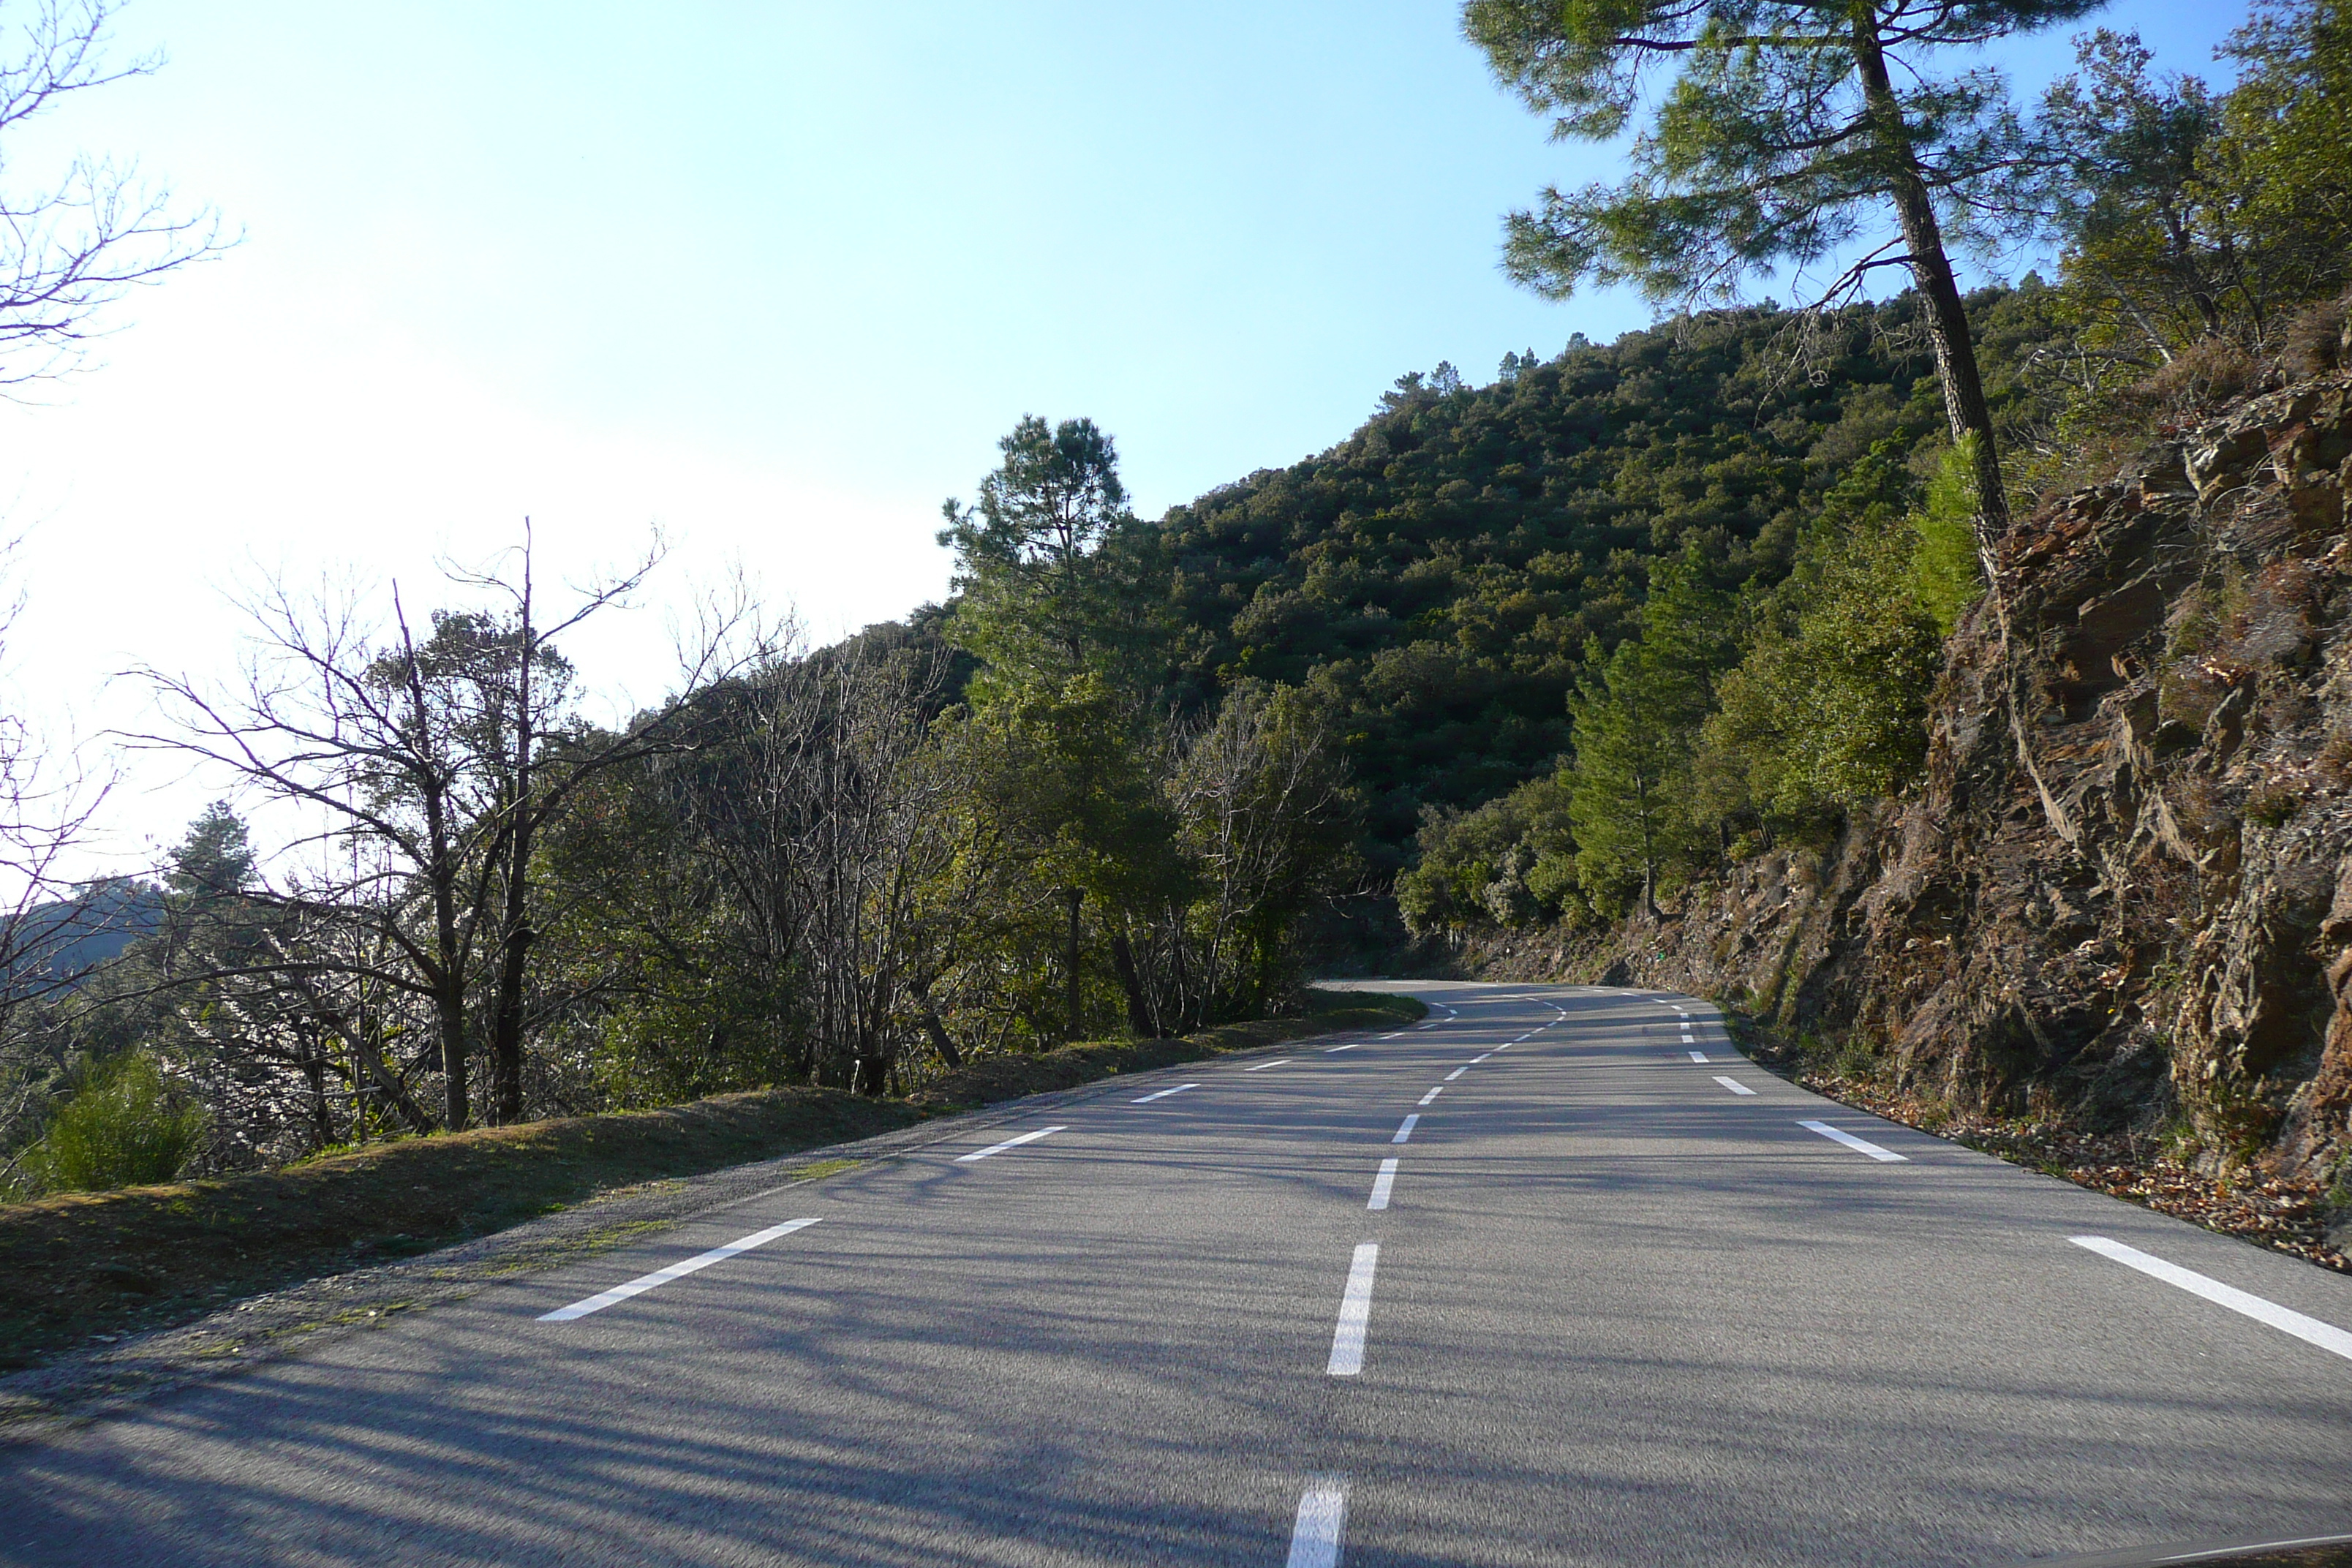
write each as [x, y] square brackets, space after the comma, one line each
[1070, 979]
[446, 975]
[1947, 320]
[1140, 1021]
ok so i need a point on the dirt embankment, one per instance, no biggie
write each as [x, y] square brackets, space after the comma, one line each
[2120, 905]
[84, 1268]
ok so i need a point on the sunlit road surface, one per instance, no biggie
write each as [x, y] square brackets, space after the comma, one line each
[1529, 1284]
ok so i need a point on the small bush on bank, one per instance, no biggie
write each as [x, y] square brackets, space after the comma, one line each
[128, 1126]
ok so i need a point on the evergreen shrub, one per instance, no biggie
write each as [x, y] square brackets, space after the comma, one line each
[126, 1127]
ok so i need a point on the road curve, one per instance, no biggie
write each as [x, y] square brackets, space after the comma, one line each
[1556, 1277]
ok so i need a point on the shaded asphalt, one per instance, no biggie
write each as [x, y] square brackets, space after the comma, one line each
[1621, 1315]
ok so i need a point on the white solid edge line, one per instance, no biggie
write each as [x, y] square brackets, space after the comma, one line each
[2326, 1336]
[1405, 1132]
[1733, 1084]
[1458, 1072]
[1695, 1056]
[1859, 1146]
[1008, 1144]
[1432, 1094]
[1355, 1311]
[1322, 1512]
[1382, 1183]
[1164, 1094]
[1261, 1067]
[645, 1282]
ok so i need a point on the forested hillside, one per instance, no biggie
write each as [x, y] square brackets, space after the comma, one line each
[1447, 571]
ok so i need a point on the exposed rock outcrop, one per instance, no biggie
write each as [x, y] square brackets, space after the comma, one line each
[2125, 888]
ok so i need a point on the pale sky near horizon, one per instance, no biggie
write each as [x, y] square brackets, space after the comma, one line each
[772, 276]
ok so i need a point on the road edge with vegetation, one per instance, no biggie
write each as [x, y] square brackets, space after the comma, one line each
[115, 1297]
[2298, 1216]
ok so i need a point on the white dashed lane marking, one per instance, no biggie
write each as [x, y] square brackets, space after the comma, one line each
[1009, 1143]
[1733, 1084]
[2326, 1336]
[645, 1282]
[1859, 1146]
[1355, 1312]
[1315, 1535]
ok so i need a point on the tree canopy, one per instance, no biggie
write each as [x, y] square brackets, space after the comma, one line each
[1785, 133]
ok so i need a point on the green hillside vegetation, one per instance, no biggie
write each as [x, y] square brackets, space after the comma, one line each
[1446, 572]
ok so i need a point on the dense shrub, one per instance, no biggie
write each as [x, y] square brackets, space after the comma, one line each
[127, 1126]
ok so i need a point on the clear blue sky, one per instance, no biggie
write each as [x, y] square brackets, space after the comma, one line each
[773, 276]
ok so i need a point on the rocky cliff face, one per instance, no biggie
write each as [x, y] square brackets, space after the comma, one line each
[2124, 888]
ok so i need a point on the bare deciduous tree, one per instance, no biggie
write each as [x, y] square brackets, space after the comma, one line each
[827, 833]
[1266, 812]
[73, 246]
[432, 767]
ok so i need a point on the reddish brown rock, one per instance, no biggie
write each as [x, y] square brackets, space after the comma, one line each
[2124, 889]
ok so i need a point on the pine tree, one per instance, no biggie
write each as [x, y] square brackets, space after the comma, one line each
[1636, 727]
[1784, 131]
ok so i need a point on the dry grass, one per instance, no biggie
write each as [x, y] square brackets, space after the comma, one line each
[2313, 343]
[2206, 374]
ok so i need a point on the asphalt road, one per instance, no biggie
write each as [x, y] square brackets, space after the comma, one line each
[1613, 1311]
